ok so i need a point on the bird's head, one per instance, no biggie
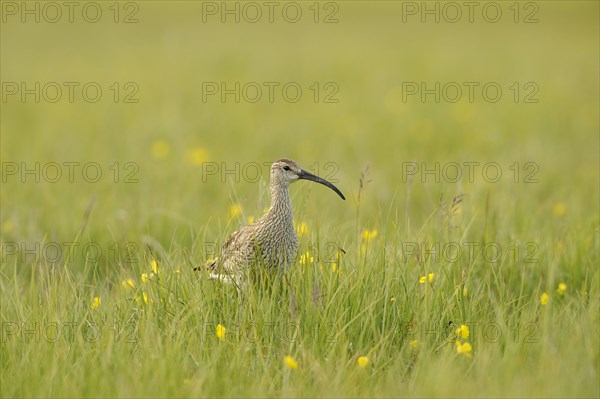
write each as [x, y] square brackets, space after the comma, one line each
[286, 171]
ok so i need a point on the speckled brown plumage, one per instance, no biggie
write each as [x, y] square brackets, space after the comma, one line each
[271, 242]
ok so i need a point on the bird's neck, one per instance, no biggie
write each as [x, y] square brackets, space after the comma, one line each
[281, 205]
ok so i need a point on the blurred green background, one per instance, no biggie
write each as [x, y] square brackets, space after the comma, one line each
[164, 197]
[170, 133]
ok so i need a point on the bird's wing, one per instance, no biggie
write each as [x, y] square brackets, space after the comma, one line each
[230, 251]
[237, 250]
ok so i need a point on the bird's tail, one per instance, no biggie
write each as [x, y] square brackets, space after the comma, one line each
[211, 266]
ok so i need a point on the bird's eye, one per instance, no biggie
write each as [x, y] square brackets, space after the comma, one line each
[286, 167]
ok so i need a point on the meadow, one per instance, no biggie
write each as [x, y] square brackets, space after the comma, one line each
[464, 262]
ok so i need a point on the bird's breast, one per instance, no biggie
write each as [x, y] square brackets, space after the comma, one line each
[278, 245]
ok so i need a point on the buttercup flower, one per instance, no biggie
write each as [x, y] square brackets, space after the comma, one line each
[464, 349]
[463, 331]
[197, 155]
[96, 303]
[235, 210]
[129, 284]
[306, 258]
[220, 332]
[290, 362]
[362, 361]
[559, 208]
[154, 266]
[142, 299]
[302, 229]
[544, 298]
[368, 235]
[7, 226]
[160, 149]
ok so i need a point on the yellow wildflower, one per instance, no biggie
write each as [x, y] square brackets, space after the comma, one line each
[544, 298]
[143, 299]
[160, 149]
[559, 208]
[415, 344]
[562, 288]
[220, 332]
[464, 349]
[429, 278]
[302, 229]
[145, 278]
[197, 156]
[129, 283]
[393, 299]
[96, 303]
[250, 219]
[463, 331]
[306, 258]
[362, 361]
[154, 266]
[334, 267]
[7, 226]
[368, 235]
[235, 210]
[290, 362]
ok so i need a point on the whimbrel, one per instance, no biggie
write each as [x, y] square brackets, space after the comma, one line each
[269, 244]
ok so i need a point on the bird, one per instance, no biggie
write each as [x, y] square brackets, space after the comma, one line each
[270, 244]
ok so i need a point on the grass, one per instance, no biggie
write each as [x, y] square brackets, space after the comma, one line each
[494, 248]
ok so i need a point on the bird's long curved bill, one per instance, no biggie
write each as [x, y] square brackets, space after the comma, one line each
[309, 176]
